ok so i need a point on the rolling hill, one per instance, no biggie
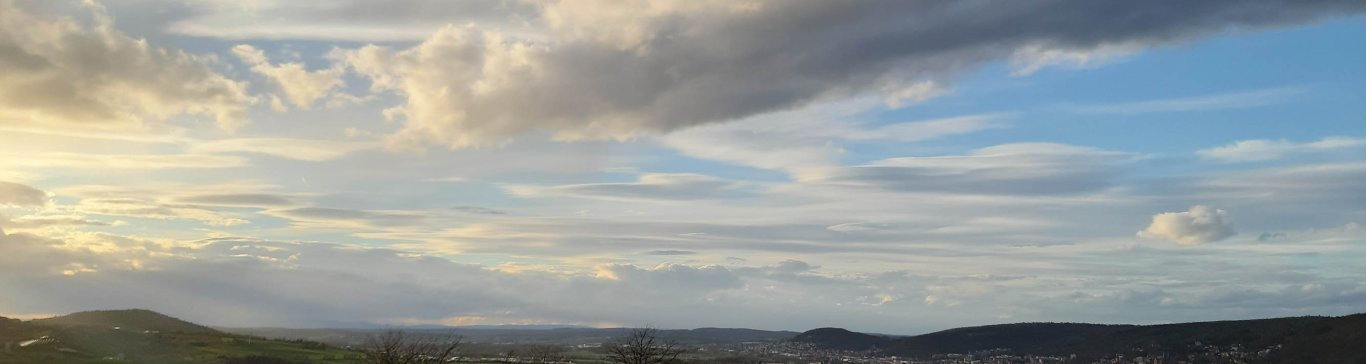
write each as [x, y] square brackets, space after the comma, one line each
[841, 339]
[1284, 340]
[141, 336]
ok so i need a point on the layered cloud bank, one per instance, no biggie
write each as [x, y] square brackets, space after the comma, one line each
[659, 66]
[891, 166]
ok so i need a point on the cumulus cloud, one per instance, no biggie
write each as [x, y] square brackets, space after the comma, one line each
[1267, 149]
[300, 86]
[15, 194]
[62, 72]
[660, 66]
[1202, 224]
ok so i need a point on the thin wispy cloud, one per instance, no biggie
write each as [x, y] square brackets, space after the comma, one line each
[1255, 150]
[1223, 101]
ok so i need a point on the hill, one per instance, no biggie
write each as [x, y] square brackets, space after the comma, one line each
[841, 339]
[1280, 340]
[134, 320]
[1040, 338]
[142, 336]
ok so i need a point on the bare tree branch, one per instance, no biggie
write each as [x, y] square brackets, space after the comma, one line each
[643, 346]
[398, 347]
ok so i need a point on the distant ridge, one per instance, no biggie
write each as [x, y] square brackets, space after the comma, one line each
[1311, 339]
[134, 319]
[841, 339]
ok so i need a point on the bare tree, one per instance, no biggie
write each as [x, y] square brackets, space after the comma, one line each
[543, 354]
[643, 346]
[397, 347]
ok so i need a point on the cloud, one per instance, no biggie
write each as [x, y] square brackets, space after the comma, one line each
[129, 161]
[65, 74]
[142, 208]
[1236, 100]
[669, 252]
[478, 210]
[804, 141]
[1265, 149]
[300, 86]
[15, 194]
[657, 66]
[915, 93]
[45, 221]
[237, 199]
[648, 187]
[335, 217]
[345, 20]
[1202, 224]
[1030, 59]
[1009, 169]
[288, 148]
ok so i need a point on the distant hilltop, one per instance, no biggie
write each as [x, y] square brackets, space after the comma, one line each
[134, 319]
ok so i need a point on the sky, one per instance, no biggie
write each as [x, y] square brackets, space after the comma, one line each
[884, 166]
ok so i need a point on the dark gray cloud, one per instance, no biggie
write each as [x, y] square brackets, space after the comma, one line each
[652, 67]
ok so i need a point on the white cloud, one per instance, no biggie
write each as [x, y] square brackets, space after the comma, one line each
[915, 93]
[1031, 58]
[805, 141]
[60, 72]
[1008, 169]
[1266, 149]
[290, 148]
[300, 86]
[648, 187]
[1202, 224]
[127, 161]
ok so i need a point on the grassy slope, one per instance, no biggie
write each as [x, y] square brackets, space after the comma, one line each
[148, 337]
